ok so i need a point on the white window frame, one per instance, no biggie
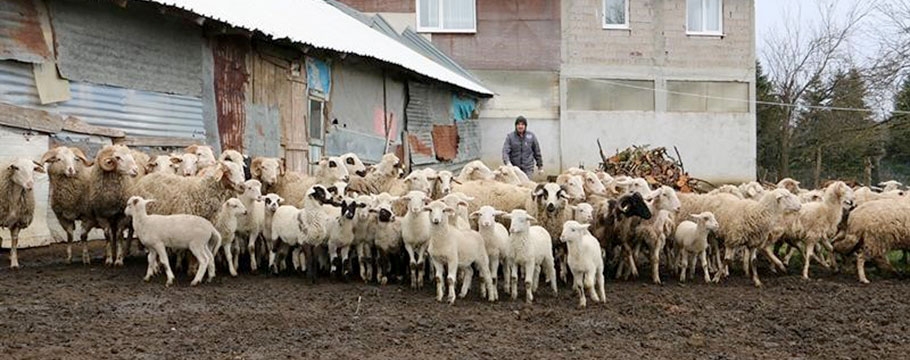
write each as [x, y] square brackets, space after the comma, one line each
[441, 28]
[603, 18]
[704, 14]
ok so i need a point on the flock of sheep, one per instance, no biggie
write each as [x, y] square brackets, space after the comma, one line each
[390, 226]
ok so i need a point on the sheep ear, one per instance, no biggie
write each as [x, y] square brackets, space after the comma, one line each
[48, 156]
[456, 181]
[176, 159]
[532, 219]
[474, 215]
[506, 215]
[462, 203]
[427, 208]
[539, 190]
[449, 210]
[500, 213]
[39, 167]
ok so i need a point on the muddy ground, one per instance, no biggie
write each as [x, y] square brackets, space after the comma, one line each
[52, 310]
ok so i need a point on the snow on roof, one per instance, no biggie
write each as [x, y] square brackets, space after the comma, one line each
[322, 25]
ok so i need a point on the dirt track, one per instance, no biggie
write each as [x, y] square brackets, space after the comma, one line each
[52, 310]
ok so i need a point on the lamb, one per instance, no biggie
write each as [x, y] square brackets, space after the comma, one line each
[692, 239]
[874, 229]
[582, 213]
[585, 262]
[819, 220]
[890, 185]
[453, 249]
[251, 224]
[200, 196]
[337, 192]
[68, 172]
[226, 224]
[306, 227]
[353, 164]
[653, 232]
[381, 178]
[17, 200]
[532, 250]
[387, 235]
[159, 232]
[459, 202]
[496, 240]
[415, 234]
[363, 236]
[109, 188]
[341, 235]
[475, 170]
[270, 202]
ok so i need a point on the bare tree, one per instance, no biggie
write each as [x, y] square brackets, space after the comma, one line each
[799, 52]
[892, 62]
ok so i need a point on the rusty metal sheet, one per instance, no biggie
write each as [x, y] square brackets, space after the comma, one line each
[231, 76]
[445, 142]
[21, 37]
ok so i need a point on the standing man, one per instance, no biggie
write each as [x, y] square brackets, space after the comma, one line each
[521, 148]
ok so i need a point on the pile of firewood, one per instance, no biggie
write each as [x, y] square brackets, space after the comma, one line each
[654, 165]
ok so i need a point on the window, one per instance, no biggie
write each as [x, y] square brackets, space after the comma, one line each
[704, 17]
[609, 95]
[446, 16]
[707, 96]
[317, 133]
[616, 14]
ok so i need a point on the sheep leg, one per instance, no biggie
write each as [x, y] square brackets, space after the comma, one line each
[754, 266]
[13, 255]
[746, 264]
[438, 277]
[551, 274]
[832, 255]
[589, 286]
[494, 271]
[684, 260]
[86, 227]
[487, 278]
[210, 264]
[704, 265]
[381, 258]
[769, 253]
[345, 262]
[295, 259]
[633, 267]
[536, 278]
[153, 262]
[230, 258]
[108, 246]
[421, 263]
[513, 280]
[466, 284]
[694, 262]
[506, 274]
[578, 286]
[333, 255]
[452, 266]
[791, 250]
[201, 257]
[309, 251]
[655, 261]
[235, 250]
[529, 282]
[251, 248]
[162, 257]
[69, 227]
[599, 282]
[118, 243]
[807, 259]
[729, 253]
[412, 265]
[860, 267]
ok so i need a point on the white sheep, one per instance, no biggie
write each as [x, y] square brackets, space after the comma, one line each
[380, 178]
[752, 190]
[819, 220]
[68, 170]
[415, 234]
[548, 204]
[205, 156]
[532, 250]
[293, 186]
[159, 232]
[574, 186]
[865, 194]
[452, 249]
[251, 224]
[270, 202]
[306, 227]
[17, 200]
[160, 163]
[585, 261]
[475, 170]
[874, 229]
[184, 164]
[500, 196]
[728, 189]
[583, 213]
[353, 164]
[442, 185]
[363, 236]
[890, 185]
[459, 202]
[226, 224]
[496, 239]
[663, 205]
[692, 239]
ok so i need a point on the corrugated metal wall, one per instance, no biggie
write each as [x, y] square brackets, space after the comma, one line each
[135, 47]
[20, 32]
[136, 112]
[429, 106]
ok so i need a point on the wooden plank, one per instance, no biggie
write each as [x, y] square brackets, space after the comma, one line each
[30, 119]
[73, 124]
[157, 141]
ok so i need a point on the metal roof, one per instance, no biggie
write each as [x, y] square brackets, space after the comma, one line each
[322, 25]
